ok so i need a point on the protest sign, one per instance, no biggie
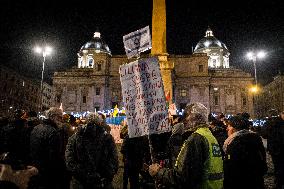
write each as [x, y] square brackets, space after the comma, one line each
[144, 97]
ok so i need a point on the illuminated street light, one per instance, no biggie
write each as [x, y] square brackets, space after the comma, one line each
[254, 89]
[44, 51]
[254, 56]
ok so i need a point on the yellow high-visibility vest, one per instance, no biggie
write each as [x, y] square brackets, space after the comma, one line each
[214, 175]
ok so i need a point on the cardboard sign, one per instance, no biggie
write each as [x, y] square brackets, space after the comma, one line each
[144, 97]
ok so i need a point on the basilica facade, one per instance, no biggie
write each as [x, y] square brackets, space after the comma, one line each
[204, 76]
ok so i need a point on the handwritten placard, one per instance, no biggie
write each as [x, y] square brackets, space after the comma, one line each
[144, 97]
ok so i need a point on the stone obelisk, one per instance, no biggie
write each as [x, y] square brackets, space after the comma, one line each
[159, 46]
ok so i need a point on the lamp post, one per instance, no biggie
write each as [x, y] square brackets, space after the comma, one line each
[44, 51]
[254, 56]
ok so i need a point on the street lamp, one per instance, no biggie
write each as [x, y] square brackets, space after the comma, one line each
[44, 51]
[254, 56]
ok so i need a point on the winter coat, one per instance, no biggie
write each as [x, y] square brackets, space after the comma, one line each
[134, 151]
[45, 154]
[275, 136]
[245, 161]
[191, 171]
[175, 142]
[91, 157]
[15, 138]
[220, 133]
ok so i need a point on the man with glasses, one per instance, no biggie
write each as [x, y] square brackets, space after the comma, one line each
[45, 145]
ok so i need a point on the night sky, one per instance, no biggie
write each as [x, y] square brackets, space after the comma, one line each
[66, 26]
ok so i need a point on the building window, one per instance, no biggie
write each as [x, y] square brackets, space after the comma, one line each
[99, 67]
[114, 93]
[201, 91]
[91, 62]
[216, 100]
[58, 98]
[98, 91]
[182, 93]
[97, 108]
[214, 63]
[84, 99]
[244, 101]
[200, 68]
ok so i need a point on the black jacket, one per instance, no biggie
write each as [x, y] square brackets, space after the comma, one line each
[275, 136]
[244, 162]
[45, 154]
[91, 157]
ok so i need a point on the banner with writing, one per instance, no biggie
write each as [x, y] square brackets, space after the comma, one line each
[144, 97]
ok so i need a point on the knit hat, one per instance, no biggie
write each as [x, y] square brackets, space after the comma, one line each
[195, 114]
[237, 122]
[93, 117]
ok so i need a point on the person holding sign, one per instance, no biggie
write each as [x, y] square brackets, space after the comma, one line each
[199, 163]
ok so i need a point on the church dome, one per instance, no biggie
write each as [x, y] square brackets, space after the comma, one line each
[209, 41]
[97, 44]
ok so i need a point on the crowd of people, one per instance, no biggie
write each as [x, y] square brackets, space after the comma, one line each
[201, 151]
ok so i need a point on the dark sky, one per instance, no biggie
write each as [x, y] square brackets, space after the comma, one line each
[67, 26]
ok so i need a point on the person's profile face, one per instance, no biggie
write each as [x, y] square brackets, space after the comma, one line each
[282, 115]
[230, 130]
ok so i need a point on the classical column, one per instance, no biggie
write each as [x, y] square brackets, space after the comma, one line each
[159, 47]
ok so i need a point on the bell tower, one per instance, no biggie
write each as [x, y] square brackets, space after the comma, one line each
[159, 46]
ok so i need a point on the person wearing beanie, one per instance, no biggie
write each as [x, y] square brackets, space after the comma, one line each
[245, 157]
[199, 163]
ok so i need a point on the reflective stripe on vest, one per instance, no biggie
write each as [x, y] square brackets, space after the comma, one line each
[213, 177]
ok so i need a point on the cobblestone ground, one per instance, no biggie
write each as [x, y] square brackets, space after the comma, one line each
[268, 178]
[117, 181]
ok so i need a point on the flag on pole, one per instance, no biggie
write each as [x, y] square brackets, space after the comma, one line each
[173, 109]
[137, 42]
[168, 98]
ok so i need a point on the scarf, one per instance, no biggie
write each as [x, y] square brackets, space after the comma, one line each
[232, 137]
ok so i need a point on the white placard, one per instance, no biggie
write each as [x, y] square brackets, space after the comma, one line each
[144, 97]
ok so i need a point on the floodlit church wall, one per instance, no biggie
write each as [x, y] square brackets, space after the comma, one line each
[194, 65]
[116, 61]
